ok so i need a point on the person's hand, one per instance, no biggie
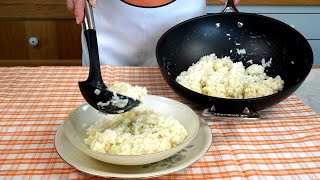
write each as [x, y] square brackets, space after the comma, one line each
[77, 7]
[236, 2]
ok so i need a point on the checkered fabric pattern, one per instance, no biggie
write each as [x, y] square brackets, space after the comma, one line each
[34, 101]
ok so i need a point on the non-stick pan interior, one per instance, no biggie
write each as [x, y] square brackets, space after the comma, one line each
[243, 37]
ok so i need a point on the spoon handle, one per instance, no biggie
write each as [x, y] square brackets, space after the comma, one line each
[92, 45]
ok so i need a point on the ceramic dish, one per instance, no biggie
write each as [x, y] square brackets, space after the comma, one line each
[83, 116]
[184, 158]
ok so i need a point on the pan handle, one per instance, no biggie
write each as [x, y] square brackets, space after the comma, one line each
[248, 114]
[229, 4]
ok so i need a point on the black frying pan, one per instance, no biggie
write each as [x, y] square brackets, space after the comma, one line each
[260, 36]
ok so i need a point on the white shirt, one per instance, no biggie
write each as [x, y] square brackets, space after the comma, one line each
[127, 35]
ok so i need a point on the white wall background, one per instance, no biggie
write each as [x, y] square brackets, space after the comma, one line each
[305, 19]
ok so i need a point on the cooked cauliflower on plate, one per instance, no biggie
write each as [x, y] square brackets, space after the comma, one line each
[135, 132]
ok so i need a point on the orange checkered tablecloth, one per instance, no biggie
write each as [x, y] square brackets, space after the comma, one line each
[34, 101]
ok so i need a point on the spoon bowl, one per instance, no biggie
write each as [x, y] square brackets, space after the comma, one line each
[99, 97]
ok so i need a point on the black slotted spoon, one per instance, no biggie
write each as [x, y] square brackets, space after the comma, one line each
[94, 91]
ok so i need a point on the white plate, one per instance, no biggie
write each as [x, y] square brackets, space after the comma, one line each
[83, 116]
[73, 156]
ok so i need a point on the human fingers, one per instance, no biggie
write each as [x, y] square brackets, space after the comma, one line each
[79, 10]
[70, 5]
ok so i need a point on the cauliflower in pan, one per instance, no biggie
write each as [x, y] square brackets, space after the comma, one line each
[221, 77]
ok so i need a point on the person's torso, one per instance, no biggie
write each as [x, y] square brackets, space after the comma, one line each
[128, 30]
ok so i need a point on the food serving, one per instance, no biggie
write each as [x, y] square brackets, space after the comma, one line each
[125, 89]
[221, 77]
[135, 132]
